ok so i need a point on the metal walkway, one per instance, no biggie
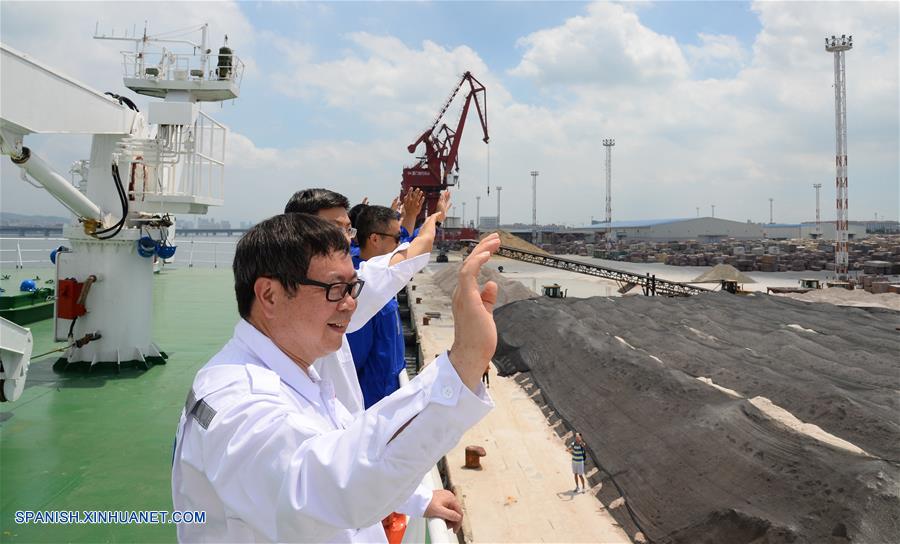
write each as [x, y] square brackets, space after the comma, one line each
[650, 284]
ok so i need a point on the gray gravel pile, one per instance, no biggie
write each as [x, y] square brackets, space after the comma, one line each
[508, 290]
[697, 464]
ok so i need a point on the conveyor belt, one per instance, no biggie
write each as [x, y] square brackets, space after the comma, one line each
[649, 283]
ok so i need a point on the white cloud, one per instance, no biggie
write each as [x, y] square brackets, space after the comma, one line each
[607, 46]
[385, 81]
[718, 50]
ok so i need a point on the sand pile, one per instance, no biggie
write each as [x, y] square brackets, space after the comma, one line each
[509, 290]
[722, 272]
[514, 242]
[702, 460]
[846, 297]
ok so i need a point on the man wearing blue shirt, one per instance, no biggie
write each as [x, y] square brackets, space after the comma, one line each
[378, 349]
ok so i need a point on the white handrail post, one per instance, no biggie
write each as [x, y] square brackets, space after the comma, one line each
[19, 252]
[215, 255]
[191, 258]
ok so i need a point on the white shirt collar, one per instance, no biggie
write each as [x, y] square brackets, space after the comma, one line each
[271, 356]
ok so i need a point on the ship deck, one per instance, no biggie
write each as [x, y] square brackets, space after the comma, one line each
[103, 441]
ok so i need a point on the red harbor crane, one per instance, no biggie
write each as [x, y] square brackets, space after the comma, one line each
[439, 167]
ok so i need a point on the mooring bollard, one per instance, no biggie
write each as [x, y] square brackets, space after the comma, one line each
[473, 457]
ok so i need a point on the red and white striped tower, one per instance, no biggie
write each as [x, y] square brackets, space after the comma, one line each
[838, 46]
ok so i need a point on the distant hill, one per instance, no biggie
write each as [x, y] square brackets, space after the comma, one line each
[18, 219]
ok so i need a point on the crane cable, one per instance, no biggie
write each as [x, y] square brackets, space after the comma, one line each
[488, 168]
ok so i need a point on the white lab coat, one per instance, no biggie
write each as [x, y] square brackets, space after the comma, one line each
[270, 455]
[383, 282]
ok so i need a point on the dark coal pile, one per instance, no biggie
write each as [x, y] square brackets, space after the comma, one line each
[696, 464]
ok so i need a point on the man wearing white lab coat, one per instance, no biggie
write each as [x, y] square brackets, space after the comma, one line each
[385, 276]
[266, 450]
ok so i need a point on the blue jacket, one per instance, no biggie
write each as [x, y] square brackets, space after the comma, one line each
[378, 351]
[405, 236]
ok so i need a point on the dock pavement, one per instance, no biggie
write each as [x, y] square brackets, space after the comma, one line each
[524, 491]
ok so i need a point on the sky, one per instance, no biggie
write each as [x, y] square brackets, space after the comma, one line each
[710, 103]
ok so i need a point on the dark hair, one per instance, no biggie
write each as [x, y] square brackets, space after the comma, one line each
[354, 212]
[373, 219]
[281, 247]
[312, 200]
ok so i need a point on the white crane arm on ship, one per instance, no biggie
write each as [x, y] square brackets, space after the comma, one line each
[171, 161]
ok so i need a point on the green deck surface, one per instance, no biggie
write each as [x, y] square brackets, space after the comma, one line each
[103, 441]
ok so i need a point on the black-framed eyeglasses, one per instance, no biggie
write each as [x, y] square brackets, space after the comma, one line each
[396, 237]
[335, 292]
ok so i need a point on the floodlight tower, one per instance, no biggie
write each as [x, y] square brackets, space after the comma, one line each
[818, 186]
[534, 228]
[713, 206]
[608, 143]
[498, 188]
[838, 46]
[771, 219]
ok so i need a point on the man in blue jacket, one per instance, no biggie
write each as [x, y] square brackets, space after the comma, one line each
[378, 347]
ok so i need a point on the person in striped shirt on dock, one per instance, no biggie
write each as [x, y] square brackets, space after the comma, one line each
[578, 456]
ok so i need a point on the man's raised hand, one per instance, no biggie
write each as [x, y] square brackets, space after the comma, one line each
[475, 334]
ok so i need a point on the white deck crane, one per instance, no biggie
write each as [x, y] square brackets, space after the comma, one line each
[141, 170]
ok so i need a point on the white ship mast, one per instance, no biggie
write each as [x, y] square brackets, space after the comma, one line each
[142, 169]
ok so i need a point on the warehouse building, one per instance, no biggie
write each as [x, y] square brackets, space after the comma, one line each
[713, 229]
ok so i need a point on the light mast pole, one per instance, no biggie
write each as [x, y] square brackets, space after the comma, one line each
[608, 143]
[818, 186]
[838, 46]
[534, 229]
[478, 212]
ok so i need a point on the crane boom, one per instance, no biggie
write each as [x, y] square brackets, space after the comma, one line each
[439, 167]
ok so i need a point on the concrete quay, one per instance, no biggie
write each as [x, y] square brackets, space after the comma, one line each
[524, 491]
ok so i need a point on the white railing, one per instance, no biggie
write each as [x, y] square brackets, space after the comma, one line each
[200, 149]
[436, 528]
[182, 67]
[207, 162]
[16, 253]
[12, 252]
[203, 252]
